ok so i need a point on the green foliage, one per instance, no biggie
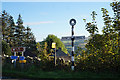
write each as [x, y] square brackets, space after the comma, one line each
[99, 63]
[47, 69]
[91, 27]
[5, 18]
[52, 38]
[17, 35]
[19, 32]
[6, 48]
[42, 50]
[101, 54]
[102, 49]
[78, 51]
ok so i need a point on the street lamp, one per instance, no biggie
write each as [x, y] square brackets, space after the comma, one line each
[72, 23]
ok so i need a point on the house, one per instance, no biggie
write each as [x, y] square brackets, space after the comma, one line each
[62, 55]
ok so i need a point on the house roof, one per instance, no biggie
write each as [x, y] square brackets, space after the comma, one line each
[59, 52]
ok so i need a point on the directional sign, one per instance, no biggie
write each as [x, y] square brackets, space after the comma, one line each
[21, 57]
[22, 61]
[53, 45]
[18, 49]
[14, 57]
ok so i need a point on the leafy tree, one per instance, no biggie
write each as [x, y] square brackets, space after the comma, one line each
[42, 49]
[116, 20]
[109, 32]
[91, 26]
[107, 22]
[52, 38]
[78, 51]
[103, 48]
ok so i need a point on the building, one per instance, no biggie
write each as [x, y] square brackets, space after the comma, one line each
[79, 41]
[62, 55]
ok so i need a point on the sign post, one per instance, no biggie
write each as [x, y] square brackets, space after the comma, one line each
[54, 46]
[21, 58]
[14, 59]
[72, 23]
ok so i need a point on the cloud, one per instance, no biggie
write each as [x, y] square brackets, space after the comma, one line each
[38, 23]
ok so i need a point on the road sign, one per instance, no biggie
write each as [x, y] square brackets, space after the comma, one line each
[53, 45]
[22, 61]
[21, 58]
[18, 49]
[14, 57]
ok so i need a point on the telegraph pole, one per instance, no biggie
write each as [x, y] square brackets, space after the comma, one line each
[72, 23]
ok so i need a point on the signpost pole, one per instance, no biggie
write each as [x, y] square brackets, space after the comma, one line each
[72, 23]
[22, 54]
[14, 59]
[22, 64]
[54, 46]
[21, 58]
[55, 55]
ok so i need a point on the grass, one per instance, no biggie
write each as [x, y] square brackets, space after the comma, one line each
[35, 72]
[56, 74]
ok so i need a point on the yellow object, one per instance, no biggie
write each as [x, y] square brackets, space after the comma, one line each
[53, 45]
[22, 61]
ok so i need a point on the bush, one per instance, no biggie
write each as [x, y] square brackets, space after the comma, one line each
[97, 63]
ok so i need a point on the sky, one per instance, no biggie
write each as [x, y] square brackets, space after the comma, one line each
[46, 18]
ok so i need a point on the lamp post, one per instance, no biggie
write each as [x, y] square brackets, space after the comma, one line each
[72, 23]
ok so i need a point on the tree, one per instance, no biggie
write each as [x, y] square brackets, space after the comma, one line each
[91, 27]
[28, 34]
[4, 23]
[105, 44]
[20, 39]
[11, 31]
[42, 49]
[5, 48]
[78, 51]
[52, 38]
[116, 21]
[109, 32]
[107, 22]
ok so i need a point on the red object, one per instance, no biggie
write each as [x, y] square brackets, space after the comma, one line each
[18, 49]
